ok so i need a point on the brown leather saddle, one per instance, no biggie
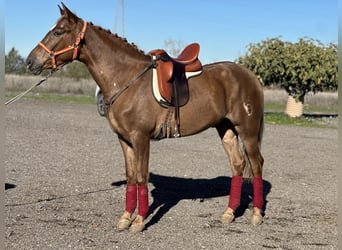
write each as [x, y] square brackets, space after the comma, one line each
[170, 81]
[172, 74]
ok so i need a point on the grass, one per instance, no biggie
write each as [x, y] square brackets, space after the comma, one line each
[320, 109]
[81, 99]
[283, 119]
[275, 115]
[65, 98]
[274, 107]
[274, 112]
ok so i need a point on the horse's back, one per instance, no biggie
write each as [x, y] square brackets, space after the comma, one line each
[233, 76]
[233, 83]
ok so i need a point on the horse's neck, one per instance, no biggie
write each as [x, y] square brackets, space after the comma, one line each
[111, 63]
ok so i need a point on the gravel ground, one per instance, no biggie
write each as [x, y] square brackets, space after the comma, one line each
[65, 186]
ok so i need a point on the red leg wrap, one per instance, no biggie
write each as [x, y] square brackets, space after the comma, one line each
[258, 199]
[143, 201]
[131, 197]
[235, 192]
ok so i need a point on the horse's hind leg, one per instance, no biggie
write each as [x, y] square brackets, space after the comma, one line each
[252, 149]
[230, 143]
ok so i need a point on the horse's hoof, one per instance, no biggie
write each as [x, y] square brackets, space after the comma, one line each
[256, 218]
[228, 216]
[137, 227]
[124, 224]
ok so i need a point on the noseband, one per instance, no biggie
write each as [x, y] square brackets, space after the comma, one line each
[74, 47]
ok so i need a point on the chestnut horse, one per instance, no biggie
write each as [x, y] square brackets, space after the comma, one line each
[225, 95]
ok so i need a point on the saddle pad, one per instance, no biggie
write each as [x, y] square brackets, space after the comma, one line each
[155, 88]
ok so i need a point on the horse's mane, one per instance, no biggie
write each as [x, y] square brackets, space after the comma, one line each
[116, 36]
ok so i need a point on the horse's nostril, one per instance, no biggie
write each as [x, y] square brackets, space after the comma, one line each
[33, 66]
[28, 62]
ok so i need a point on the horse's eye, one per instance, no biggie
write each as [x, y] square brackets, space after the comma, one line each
[57, 33]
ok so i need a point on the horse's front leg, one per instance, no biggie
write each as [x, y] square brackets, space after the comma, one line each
[136, 163]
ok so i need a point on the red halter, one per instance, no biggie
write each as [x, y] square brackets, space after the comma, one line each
[74, 47]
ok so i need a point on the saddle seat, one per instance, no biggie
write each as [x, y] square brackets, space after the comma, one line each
[189, 54]
[169, 71]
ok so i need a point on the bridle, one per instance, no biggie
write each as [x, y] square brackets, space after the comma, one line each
[73, 47]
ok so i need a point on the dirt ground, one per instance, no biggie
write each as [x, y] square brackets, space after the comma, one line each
[65, 186]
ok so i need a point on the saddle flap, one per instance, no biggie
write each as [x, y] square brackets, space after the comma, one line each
[164, 74]
[180, 90]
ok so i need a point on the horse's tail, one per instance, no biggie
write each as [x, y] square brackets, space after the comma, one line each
[248, 172]
[261, 131]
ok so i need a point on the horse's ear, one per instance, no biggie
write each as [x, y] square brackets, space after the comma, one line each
[65, 11]
[60, 10]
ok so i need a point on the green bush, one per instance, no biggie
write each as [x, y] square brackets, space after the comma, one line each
[14, 63]
[299, 68]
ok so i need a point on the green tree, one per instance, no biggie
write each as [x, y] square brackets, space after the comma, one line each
[76, 70]
[310, 67]
[14, 63]
[301, 67]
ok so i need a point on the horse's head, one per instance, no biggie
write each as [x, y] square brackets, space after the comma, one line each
[60, 45]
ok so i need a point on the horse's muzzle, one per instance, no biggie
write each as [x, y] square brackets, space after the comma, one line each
[33, 66]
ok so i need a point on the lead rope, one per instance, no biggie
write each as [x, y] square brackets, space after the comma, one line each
[33, 86]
